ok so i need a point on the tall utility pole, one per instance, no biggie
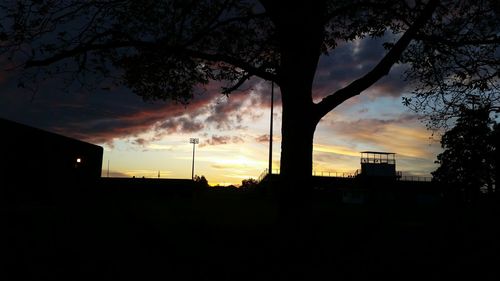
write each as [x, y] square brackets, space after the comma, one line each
[270, 169]
[194, 141]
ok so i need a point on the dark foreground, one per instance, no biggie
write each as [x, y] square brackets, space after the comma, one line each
[112, 234]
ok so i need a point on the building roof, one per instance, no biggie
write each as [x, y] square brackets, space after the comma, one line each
[378, 152]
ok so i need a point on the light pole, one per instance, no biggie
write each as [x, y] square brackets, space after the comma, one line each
[194, 141]
[270, 169]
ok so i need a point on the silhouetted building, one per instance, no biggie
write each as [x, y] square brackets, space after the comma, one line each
[378, 164]
[378, 182]
[33, 157]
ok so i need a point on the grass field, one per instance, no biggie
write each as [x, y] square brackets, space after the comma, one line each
[232, 235]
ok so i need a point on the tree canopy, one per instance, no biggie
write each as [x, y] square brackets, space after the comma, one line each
[459, 59]
[168, 49]
[467, 161]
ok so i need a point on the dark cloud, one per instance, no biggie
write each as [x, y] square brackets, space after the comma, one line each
[262, 138]
[228, 113]
[98, 116]
[224, 114]
[219, 140]
[180, 125]
[140, 141]
[368, 130]
[369, 125]
[101, 116]
[350, 61]
[236, 139]
[114, 174]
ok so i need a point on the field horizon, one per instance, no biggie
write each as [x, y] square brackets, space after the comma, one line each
[233, 234]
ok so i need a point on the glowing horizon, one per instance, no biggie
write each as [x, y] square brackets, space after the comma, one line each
[229, 156]
[141, 138]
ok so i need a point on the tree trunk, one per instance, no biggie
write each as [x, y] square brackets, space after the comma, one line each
[295, 190]
[300, 33]
[297, 143]
[300, 38]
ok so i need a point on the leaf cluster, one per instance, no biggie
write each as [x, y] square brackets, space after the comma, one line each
[457, 54]
[169, 49]
[160, 49]
[467, 160]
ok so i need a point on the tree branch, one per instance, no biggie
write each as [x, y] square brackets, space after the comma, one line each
[250, 69]
[243, 79]
[380, 70]
[79, 50]
[494, 39]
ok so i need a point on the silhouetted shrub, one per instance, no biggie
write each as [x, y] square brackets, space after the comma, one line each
[201, 181]
[249, 183]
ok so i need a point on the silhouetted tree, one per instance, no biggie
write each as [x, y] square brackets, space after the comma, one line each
[201, 181]
[467, 162]
[166, 49]
[249, 183]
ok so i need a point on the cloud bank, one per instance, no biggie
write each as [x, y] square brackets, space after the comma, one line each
[103, 116]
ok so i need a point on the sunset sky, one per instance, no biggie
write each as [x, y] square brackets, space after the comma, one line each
[141, 138]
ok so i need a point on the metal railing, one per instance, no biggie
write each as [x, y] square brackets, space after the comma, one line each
[415, 178]
[314, 173]
[262, 175]
[399, 176]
